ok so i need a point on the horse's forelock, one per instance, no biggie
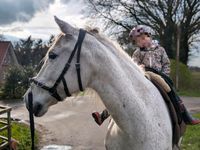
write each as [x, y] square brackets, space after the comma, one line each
[92, 30]
[50, 48]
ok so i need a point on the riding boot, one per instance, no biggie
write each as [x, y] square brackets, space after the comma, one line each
[187, 117]
[99, 118]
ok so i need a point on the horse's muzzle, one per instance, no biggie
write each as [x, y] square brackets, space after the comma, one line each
[37, 107]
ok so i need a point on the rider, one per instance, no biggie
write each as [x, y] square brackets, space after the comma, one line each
[149, 54]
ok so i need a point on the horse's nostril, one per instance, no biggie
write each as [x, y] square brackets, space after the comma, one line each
[37, 108]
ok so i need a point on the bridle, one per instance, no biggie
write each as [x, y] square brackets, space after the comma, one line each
[53, 90]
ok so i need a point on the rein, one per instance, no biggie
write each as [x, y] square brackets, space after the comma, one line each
[31, 118]
[53, 90]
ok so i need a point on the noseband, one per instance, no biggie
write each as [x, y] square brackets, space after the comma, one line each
[53, 90]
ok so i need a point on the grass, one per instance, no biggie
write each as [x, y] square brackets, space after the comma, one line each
[191, 139]
[193, 89]
[21, 133]
[190, 93]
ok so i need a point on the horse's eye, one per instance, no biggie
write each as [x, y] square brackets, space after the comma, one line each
[52, 55]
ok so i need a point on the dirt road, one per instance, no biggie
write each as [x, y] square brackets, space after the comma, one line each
[70, 122]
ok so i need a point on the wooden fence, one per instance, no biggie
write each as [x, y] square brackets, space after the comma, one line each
[5, 125]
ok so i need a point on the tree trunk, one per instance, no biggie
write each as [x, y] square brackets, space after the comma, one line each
[166, 40]
[184, 48]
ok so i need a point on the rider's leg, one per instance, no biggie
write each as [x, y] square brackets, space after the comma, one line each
[99, 118]
[186, 116]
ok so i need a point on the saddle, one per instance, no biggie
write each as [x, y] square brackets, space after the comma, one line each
[178, 124]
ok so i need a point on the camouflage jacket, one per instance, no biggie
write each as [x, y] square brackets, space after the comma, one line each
[154, 57]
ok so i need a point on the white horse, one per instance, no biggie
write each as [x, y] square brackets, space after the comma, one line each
[140, 118]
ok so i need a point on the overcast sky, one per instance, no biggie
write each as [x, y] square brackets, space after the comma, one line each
[22, 18]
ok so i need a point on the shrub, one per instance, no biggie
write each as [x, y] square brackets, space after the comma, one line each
[185, 76]
[12, 88]
[16, 82]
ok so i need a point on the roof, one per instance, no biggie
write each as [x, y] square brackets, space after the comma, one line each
[4, 45]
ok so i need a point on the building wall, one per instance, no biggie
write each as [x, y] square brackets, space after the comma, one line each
[9, 61]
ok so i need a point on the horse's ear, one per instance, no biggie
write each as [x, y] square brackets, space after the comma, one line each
[64, 26]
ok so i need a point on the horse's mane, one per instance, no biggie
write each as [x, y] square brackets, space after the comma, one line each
[106, 41]
[113, 45]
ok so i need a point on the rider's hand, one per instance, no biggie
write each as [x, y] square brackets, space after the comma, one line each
[142, 67]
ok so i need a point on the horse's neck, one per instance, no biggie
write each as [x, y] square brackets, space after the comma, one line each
[122, 88]
[137, 108]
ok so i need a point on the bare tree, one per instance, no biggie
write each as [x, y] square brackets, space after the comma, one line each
[163, 16]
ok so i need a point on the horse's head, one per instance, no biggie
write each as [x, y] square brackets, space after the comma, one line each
[60, 75]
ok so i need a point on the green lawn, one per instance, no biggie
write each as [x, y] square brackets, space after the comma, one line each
[21, 133]
[191, 139]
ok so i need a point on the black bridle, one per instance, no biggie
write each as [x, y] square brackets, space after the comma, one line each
[53, 90]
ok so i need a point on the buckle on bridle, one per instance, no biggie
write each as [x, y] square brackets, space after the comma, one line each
[78, 66]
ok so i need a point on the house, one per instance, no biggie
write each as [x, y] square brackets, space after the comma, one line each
[7, 58]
